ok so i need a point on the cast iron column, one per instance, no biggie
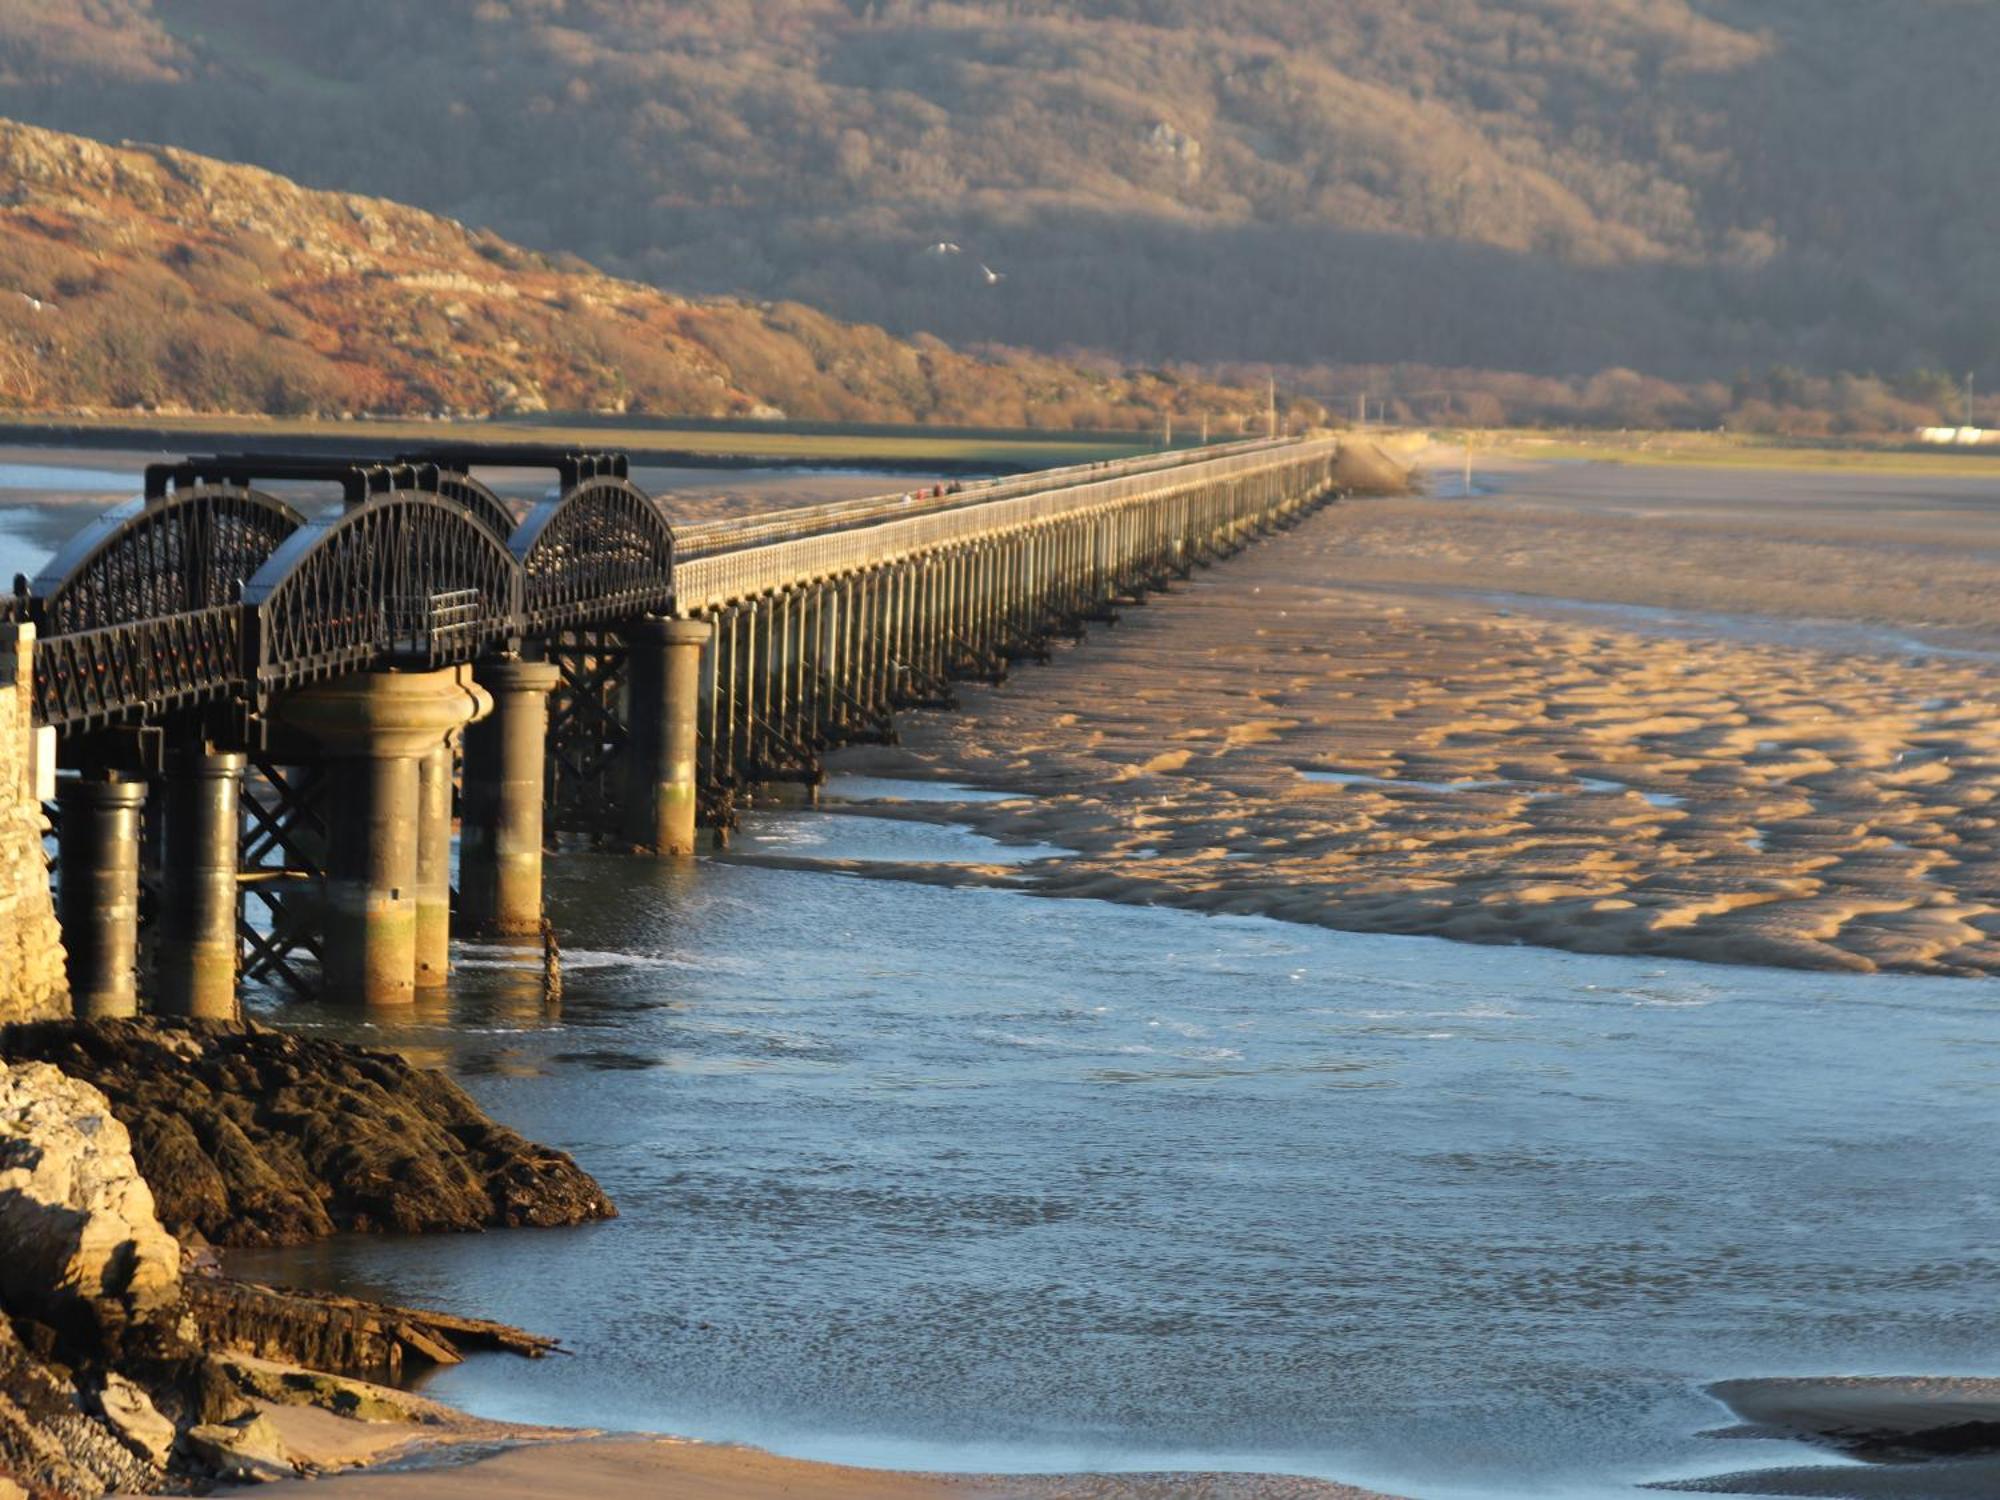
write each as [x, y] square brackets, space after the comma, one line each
[199, 898]
[500, 842]
[99, 895]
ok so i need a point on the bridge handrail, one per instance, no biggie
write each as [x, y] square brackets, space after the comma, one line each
[97, 677]
[409, 574]
[710, 581]
[706, 538]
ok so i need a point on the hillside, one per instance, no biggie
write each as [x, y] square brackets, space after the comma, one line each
[1685, 187]
[154, 279]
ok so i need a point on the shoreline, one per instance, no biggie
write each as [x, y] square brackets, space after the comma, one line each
[639, 1465]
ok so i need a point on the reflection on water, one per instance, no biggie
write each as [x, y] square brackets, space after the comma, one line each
[961, 1177]
[60, 478]
[1398, 783]
[872, 840]
[847, 787]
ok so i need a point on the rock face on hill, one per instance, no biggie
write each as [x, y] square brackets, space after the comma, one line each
[149, 278]
[1562, 185]
[250, 1136]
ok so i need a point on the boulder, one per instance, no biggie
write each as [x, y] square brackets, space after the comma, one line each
[250, 1450]
[130, 1414]
[75, 1214]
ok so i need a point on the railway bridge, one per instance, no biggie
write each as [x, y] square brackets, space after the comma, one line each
[266, 720]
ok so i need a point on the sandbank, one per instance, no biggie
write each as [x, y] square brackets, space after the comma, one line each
[1741, 717]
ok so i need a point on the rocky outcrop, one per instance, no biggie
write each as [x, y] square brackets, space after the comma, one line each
[33, 985]
[83, 1260]
[49, 1443]
[251, 1136]
[76, 1217]
[327, 1332]
[129, 1365]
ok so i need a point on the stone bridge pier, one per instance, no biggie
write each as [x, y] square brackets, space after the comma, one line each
[388, 737]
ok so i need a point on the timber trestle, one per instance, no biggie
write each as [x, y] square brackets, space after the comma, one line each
[273, 684]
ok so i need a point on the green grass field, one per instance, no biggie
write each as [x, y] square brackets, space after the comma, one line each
[1727, 451]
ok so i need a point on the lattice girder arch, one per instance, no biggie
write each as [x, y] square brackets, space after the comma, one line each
[480, 501]
[188, 550]
[408, 578]
[598, 553]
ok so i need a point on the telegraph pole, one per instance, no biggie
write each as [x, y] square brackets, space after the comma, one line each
[1270, 406]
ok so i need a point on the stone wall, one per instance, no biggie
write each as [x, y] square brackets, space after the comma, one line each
[32, 983]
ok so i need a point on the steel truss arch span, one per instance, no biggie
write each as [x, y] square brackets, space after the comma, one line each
[480, 501]
[190, 549]
[599, 552]
[409, 578]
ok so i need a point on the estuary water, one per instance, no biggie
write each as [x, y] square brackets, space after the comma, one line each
[939, 1175]
[953, 1176]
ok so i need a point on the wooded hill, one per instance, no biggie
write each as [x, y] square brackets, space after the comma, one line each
[156, 279]
[1685, 187]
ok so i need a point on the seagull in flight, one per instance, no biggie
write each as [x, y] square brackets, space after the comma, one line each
[993, 277]
[944, 247]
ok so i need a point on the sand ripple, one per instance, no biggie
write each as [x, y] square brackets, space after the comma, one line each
[1274, 739]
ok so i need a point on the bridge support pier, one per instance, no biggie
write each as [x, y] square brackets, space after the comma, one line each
[663, 676]
[198, 887]
[434, 778]
[99, 906]
[376, 728]
[500, 849]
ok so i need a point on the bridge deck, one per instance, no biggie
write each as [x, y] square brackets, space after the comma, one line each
[603, 560]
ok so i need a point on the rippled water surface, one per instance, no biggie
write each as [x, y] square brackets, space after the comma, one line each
[961, 1177]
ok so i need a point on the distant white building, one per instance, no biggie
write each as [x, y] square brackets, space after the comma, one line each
[1966, 436]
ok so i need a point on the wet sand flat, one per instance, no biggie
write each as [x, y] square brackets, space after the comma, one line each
[643, 1468]
[1719, 715]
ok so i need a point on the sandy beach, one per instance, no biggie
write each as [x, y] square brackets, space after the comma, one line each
[1746, 717]
[644, 1467]
[351, 1429]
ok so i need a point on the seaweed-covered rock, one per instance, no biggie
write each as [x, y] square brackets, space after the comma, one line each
[251, 1136]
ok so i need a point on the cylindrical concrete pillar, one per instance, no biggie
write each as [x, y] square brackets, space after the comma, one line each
[376, 728]
[199, 897]
[663, 669]
[434, 778]
[370, 914]
[500, 844]
[99, 894]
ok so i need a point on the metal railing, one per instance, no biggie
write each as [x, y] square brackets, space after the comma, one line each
[413, 570]
[715, 578]
[706, 537]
